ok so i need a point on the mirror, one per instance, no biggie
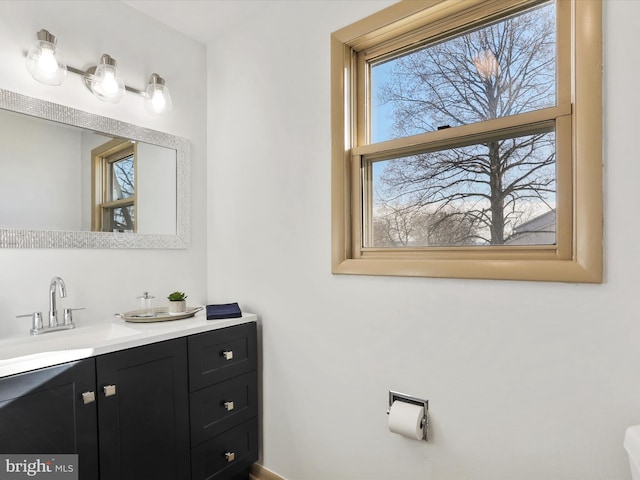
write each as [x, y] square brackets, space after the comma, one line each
[49, 184]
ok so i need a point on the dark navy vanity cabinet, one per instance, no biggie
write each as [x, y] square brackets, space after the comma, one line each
[176, 409]
[43, 412]
[143, 413]
[223, 402]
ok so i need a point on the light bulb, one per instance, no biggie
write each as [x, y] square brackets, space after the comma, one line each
[109, 83]
[158, 101]
[42, 60]
[158, 98]
[47, 62]
[106, 83]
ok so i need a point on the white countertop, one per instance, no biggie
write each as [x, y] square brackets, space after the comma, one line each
[28, 352]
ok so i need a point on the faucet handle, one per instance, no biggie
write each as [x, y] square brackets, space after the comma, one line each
[36, 321]
[68, 316]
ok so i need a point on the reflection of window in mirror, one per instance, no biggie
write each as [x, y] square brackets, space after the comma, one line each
[114, 177]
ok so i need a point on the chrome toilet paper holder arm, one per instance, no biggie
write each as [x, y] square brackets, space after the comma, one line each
[402, 397]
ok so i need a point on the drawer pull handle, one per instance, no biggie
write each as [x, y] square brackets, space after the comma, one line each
[229, 406]
[88, 397]
[230, 456]
[228, 354]
[109, 390]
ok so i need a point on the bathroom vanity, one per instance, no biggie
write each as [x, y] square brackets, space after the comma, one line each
[173, 401]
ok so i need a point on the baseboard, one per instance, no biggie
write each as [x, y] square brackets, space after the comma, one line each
[258, 472]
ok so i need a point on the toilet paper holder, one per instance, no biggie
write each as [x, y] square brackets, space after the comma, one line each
[393, 396]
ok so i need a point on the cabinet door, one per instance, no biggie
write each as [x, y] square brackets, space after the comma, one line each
[43, 412]
[143, 412]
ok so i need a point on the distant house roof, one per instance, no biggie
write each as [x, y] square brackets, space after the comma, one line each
[540, 230]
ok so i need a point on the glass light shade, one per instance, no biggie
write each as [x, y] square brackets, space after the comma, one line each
[107, 84]
[43, 63]
[157, 97]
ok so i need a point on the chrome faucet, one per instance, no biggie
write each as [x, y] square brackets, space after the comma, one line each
[62, 288]
[37, 327]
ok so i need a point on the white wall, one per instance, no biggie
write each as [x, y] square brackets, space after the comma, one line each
[156, 189]
[107, 281]
[525, 380]
[49, 165]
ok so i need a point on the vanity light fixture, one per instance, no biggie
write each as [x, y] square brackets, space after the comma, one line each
[157, 97]
[43, 61]
[104, 80]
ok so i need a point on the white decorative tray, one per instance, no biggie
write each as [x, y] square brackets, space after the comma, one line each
[158, 314]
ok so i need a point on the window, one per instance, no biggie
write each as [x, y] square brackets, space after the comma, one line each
[467, 141]
[114, 187]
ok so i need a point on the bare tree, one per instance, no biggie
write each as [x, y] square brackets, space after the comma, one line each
[410, 225]
[121, 219]
[504, 69]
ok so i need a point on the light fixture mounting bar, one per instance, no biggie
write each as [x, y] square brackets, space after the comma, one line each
[88, 75]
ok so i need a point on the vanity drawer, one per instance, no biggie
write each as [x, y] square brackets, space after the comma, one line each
[221, 354]
[229, 453]
[217, 408]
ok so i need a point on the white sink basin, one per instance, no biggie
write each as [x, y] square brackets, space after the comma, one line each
[100, 333]
[63, 340]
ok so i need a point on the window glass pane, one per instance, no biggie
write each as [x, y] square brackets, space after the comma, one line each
[496, 71]
[497, 193]
[119, 219]
[123, 178]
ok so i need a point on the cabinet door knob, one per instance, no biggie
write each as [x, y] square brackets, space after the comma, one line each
[229, 406]
[88, 397]
[230, 456]
[228, 354]
[109, 390]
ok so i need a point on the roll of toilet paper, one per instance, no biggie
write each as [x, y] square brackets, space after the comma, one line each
[406, 419]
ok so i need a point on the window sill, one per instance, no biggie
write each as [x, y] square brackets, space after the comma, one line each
[532, 270]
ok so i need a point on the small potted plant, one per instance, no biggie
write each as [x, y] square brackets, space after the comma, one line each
[177, 302]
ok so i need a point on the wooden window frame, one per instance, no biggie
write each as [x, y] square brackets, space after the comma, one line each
[100, 184]
[577, 255]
